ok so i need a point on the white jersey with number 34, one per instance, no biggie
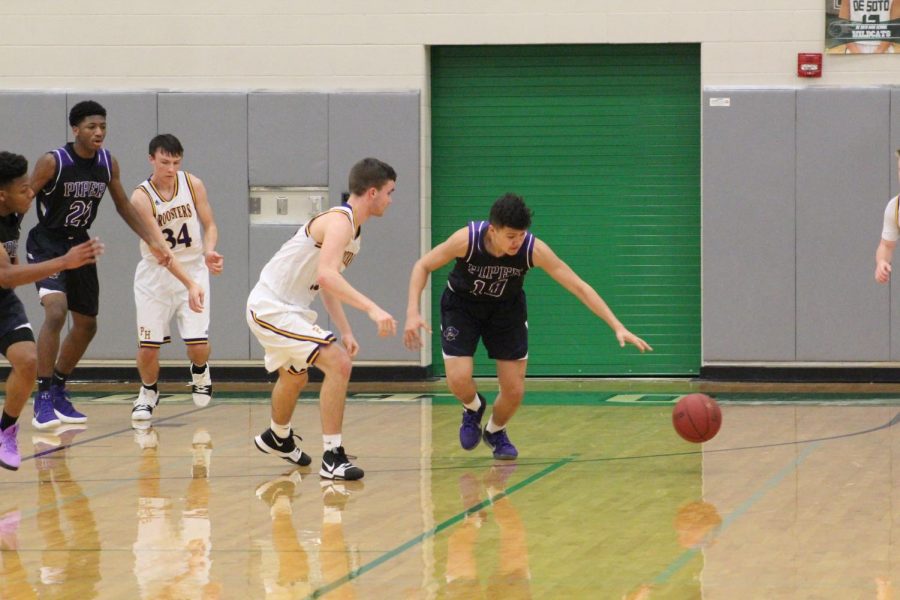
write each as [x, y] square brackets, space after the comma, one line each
[176, 218]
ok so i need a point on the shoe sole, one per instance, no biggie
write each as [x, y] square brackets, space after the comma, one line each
[305, 459]
[141, 416]
[8, 466]
[45, 426]
[333, 477]
[64, 419]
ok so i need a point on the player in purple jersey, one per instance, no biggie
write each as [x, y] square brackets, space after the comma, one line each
[484, 300]
[69, 183]
[16, 337]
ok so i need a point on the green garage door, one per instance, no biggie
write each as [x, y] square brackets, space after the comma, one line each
[604, 144]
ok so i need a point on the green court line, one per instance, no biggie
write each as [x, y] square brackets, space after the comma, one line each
[393, 553]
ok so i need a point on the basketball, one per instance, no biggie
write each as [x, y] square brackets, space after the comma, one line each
[697, 418]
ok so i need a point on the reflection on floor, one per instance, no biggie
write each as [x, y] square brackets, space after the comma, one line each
[791, 500]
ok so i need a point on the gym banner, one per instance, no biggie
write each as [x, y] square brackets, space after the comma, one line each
[862, 26]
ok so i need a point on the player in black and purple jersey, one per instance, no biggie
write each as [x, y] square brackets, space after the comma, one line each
[16, 337]
[69, 183]
[484, 300]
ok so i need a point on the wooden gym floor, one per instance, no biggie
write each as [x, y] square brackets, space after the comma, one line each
[793, 499]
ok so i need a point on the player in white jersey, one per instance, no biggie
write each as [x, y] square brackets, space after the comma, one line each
[175, 202]
[279, 315]
[869, 12]
[890, 233]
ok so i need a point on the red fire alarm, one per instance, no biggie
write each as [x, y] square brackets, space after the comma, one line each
[809, 64]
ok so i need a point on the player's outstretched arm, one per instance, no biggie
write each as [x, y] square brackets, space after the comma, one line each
[453, 247]
[333, 231]
[883, 256]
[563, 274]
[125, 208]
[12, 274]
[214, 261]
[142, 206]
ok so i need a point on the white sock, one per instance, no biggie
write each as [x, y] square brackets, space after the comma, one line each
[493, 427]
[282, 431]
[331, 441]
[475, 404]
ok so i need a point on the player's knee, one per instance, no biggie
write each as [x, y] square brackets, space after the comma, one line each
[55, 316]
[85, 327]
[24, 363]
[334, 361]
[146, 355]
[459, 384]
[344, 365]
[514, 392]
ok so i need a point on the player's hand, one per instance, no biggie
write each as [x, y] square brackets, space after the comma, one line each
[882, 271]
[162, 253]
[411, 337]
[350, 344]
[624, 336]
[84, 254]
[214, 261]
[386, 324]
[196, 296]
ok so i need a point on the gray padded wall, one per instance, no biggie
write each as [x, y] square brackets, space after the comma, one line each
[131, 122]
[842, 140]
[213, 129]
[288, 139]
[33, 124]
[748, 226]
[894, 190]
[385, 126]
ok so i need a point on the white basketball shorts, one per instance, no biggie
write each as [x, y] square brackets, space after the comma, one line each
[288, 333]
[159, 296]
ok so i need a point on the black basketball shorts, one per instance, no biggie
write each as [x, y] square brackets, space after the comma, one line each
[503, 326]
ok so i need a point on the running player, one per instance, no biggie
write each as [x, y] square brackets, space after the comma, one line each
[174, 202]
[279, 315]
[484, 299]
[69, 183]
[16, 336]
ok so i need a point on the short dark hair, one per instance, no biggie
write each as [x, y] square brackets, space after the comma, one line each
[83, 110]
[370, 173]
[12, 166]
[168, 143]
[509, 210]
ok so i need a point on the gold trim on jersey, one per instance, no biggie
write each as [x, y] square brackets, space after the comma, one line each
[333, 209]
[150, 198]
[174, 193]
[290, 334]
[187, 179]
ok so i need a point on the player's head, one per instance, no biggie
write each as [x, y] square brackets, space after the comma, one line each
[509, 210]
[370, 173]
[166, 153]
[166, 143]
[376, 180]
[15, 192]
[85, 109]
[88, 121]
[509, 223]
